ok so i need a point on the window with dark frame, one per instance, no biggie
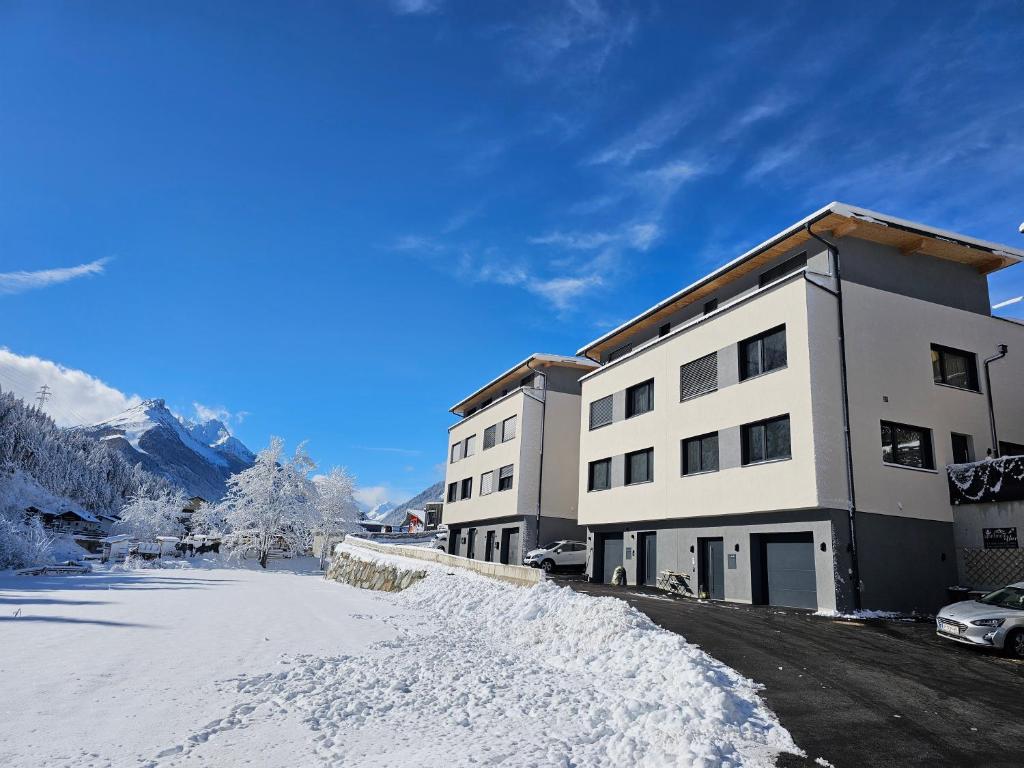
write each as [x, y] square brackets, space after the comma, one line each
[700, 454]
[505, 478]
[486, 483]
[467, 488]
[470, 446]
[453, 492]
[710, 306]
[599, 475]
[766, 440]
[763, 353]
[1007, 448]
[698, 377]
[962, 453]
[664, 330]
[490, 436]
[640, 466]
[955, 367]
[907, 446]
[787, 267]
[601, 412]
[640, 398]
[456, 452]
[508, 429]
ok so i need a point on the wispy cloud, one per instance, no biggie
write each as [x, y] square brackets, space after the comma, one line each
[220, 413]
[652, 133]
[19, 282]
[563, 292]
[461, 218]
[415, 7]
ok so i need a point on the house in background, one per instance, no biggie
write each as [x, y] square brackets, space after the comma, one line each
[713, 435]
[512, 460]
[85, 528]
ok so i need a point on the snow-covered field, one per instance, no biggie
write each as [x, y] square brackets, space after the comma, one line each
[233, 666]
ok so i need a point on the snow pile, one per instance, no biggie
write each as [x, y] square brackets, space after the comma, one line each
[539, 676]
[863, 613]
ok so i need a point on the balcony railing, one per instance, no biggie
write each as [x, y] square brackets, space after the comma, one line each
[987, 481]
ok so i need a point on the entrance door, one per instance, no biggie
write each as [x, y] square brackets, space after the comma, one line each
[712, 568]
[510, 546]
[454, 536]
[647, 573]
[489, 553]
[611, 551]
[789, 567]
[471, 544]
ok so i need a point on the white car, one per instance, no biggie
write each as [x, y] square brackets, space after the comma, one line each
[559, 554]
[993, 621]
[440, 540]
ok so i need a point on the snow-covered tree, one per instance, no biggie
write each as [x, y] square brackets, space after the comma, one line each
[335, 509]
[146, 517]
[271, 503]
[23, 542]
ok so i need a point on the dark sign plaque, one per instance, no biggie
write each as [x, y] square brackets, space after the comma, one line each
[999, 538]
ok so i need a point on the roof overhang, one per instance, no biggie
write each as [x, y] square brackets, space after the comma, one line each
[836, 220]
[534, 362]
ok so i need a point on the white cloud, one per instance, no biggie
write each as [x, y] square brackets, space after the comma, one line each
[415, 7]
[372, 495]
[219, 412]
[563, 292]
[18, 282]
[77, 398]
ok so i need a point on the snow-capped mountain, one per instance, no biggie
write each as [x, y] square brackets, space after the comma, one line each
[198, 457]
[388, 513]
[380, 512]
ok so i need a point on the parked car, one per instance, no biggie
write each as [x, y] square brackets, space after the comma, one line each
[559, 554]
[995, 620]
[440, 540]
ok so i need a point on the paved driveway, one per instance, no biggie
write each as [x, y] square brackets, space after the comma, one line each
[858, 693]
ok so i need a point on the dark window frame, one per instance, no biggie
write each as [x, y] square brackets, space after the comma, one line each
[927, 450]
[684, 397]
[466, 489]
[629, 398]
[968, 446]
[493, 429]
[684, 468]
[664, 330]
[710, 306]
[746, 375]
[973, 384]
[514, 417]
[745, 430]
[611, 415]
[590, 475]
[453, 492]
[628, 474]
[509, 477]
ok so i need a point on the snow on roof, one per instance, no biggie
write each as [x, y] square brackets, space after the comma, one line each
[543, 357]
[116, 538]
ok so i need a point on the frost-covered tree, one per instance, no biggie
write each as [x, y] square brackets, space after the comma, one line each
[149, 516]
[23, 542]
[271, 503]
[334, 509]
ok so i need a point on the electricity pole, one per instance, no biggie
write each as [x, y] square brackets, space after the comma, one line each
[42, 395]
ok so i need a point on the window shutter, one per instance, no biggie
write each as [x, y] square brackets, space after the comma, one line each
[505, 472]
[508, 428]
[470, 445]
[698, 377]
[489, 436]
[601, 412]
[486, 483]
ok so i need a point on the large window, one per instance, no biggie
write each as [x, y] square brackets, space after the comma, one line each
[470, 448]
[698, 377]
[505, 478]
[456, 452]
[907, 446]
[640, 466]
[954, 367]
[766, 440]
[601, 412]
[453, 492]
[599, 475]
[700, 454]
[640, 398]
[486, 483]
[763, 353]
[467, 488]
[788, 267]
[508, 429]
[490, 436]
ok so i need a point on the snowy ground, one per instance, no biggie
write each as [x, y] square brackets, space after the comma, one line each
[234, 666]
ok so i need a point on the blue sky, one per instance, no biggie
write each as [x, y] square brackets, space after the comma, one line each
[332, 220]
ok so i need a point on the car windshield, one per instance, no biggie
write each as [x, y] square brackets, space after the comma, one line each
[1007, 597]
[552, 545]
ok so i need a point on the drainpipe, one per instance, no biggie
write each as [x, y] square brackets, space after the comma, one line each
[852, 499]
[1002, 350]
[543, 421]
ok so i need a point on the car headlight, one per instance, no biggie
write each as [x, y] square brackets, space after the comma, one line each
[988, 622]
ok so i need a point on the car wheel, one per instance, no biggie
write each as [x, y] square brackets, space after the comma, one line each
[548, 566]
[1014, 645]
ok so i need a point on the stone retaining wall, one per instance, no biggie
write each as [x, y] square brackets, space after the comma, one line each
[370, 574]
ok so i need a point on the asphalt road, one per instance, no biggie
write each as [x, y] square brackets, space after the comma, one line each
[857, 693]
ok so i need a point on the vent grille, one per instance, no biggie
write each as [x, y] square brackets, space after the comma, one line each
[601, 412]
[698, 377]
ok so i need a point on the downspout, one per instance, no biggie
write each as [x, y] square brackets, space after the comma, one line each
[543, 422]
[1003, 349]
[852, 497]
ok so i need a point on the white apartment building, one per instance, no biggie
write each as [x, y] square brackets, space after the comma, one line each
[512, 461]
[713, 440]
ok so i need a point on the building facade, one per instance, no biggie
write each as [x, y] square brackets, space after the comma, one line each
[512, 461]
[713, 443]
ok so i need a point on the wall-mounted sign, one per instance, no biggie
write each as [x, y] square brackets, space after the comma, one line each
[999, 538]
[629, 553]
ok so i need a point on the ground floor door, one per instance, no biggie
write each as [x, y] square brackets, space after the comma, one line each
[454, 536]
[711, 568]
[471, 544]
[789, 569]
[647, 572]
[611, 555]
[510, 546]
[489, 545]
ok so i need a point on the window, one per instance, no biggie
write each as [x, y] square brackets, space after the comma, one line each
[698, 377]
[664, 330]
[467, 488]
[700, 454]
[615, 354]
[954, 367]
[788, 267]
[453, 492]
[508, 429]
[490, 436]
[962, 452]
[486, 483]
[710, 306]
[599, 475]
[907, 446]
[505, 478]
[1010, 449]
[470, 446]
[763, 353]
[766, 440]
[456, 452]
[640, 398]
[640, 466]
[601, 412]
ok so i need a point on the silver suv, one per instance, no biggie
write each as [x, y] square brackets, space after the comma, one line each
[558, 554]
[993, 621]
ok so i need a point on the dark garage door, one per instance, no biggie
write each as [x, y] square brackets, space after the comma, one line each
[789, 567]
[611, 555]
